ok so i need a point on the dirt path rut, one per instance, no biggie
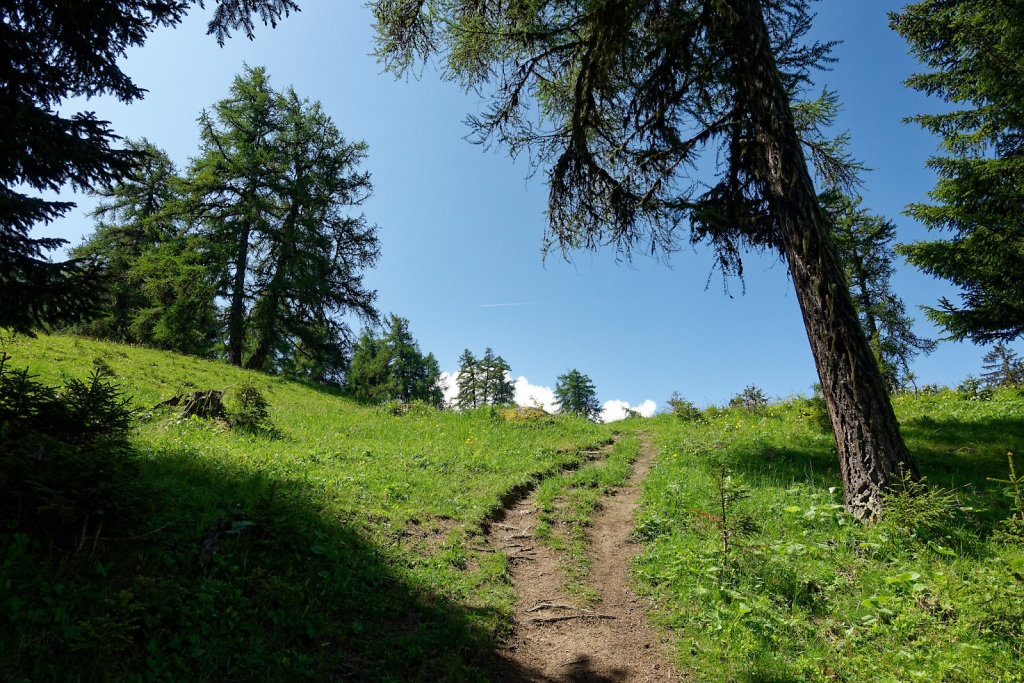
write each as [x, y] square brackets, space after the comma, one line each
[555, 640]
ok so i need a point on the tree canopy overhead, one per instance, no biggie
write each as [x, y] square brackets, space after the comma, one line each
[618, 99]
[53, 50]
[974, 53]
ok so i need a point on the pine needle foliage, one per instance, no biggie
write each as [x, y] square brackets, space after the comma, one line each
[576, 395]
[972, 52]
[54, 51]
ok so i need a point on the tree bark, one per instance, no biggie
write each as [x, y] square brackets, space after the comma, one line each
[236, 314]
[871, 450]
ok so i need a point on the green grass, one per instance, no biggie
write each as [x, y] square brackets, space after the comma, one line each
[808, 593]
[350, 542]
[352, 546]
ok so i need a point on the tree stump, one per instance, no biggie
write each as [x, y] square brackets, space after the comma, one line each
[208, 404]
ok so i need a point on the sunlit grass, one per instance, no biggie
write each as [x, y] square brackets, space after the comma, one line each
[811, 593]
[364, 556]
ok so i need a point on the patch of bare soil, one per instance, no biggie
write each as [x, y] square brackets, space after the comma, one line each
[553, 638]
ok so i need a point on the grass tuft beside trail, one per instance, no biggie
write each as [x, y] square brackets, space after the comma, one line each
[346, 545]
[763, 577]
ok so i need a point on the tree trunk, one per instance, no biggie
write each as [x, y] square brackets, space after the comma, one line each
[266, 319]
[871, 450]
[236, 314]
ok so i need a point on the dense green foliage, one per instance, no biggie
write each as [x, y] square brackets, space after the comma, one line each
[576, 395]
[483, 381]
[864, 243]
[972, 50]
[261, 219]
[392, 368]
[752, 399]
[347, 547]
[65, 469]
[159, 289]
[55, 50]
[1002, 367]
[761, 575]
[682, 408]
[272, 185]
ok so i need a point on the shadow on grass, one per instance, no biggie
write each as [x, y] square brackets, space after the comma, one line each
[231, 576]
[781, 465]
[955, 452]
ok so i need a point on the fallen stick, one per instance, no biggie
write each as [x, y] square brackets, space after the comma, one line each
[551, 605]
[548, 620]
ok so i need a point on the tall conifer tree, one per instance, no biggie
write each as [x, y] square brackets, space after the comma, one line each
[54, 50]
[864, 243]
[500, 387]
[973, 50]
[1002, 367]
[467, 382]
[576, 395]
[393, 368]
[274, 184]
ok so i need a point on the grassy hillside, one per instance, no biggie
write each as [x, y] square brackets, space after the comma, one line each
[934, 590]
[345, 544]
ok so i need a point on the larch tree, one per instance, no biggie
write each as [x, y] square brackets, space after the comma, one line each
[1002, 367]
[467, 381]
[864, 243]
[617, 100]
[499, 381]
[495, 387]
[54, 50]
[974, 53]
[158, 288]
[317, 250]
[133, 217]
[230, 186]
[576, 395]
[275, 184]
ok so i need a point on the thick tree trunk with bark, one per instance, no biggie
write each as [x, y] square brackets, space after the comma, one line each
[871, 450]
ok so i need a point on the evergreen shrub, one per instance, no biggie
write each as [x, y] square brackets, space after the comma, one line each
[66, 466]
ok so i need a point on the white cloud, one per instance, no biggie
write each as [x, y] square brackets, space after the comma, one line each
[526, 394]
[617, 410]
[532, 395]
[449, 385]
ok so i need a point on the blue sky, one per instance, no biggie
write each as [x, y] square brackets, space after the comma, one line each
[461, 227]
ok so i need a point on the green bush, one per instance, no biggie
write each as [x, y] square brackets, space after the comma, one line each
[248, 410]
[66, 467]
[974, 389]
[751, 398]
[687, 411]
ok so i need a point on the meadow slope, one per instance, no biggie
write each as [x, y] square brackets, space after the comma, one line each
[348, 543]
[762, 576]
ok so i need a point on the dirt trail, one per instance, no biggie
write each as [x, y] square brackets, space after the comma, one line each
[553, 639]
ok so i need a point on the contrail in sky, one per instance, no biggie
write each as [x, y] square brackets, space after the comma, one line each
[518, 303]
